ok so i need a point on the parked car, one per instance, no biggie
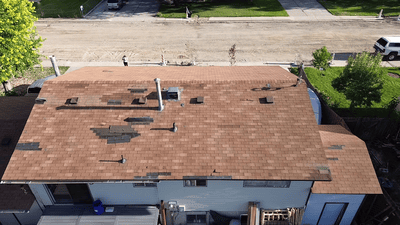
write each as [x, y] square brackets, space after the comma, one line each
[114, 4]
[388, 46]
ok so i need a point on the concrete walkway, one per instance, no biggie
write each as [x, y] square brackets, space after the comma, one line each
[305, 9]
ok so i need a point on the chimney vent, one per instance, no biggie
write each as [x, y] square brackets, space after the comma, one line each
[175, 128]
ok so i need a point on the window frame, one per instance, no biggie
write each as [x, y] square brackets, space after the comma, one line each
[195, 182]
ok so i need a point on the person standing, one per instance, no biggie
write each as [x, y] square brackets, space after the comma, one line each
[125, 60]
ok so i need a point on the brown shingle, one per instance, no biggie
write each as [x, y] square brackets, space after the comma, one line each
[353, 172]
[231, 132]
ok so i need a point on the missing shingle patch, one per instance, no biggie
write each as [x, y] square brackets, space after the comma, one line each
[34, 146]
[114, 102]
[336, 147]
[139, 120]
[116, 134]
[333, 159]
[137, 90]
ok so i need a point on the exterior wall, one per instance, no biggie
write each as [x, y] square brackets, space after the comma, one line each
[124, 194]
[316, 204]
[41, 195]
[228, 195]
[32, 217]
[8, 219]
[219, 195]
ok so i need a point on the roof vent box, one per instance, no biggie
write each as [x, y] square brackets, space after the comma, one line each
[174, 93]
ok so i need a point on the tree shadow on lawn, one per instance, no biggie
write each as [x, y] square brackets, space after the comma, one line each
[238, 7]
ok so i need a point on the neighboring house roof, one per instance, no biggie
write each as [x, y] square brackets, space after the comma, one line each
[232, 134]
[14, 112]
[38, 84]
[349, 162]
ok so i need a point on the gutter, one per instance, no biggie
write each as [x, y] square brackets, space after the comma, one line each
[83, 181]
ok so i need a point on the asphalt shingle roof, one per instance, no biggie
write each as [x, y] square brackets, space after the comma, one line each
[232, 134]
[350, 164]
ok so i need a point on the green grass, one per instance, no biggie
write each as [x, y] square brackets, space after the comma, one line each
[362, 7]
[63, 8]
[224, 8]
[336, 100]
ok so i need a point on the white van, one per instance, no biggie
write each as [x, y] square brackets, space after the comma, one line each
[388, 46]
[114, 4]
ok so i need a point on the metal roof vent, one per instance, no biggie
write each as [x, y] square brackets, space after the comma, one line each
[200, 100]
[269, 99]
[142, 100]
[40, 101]
[174, 93]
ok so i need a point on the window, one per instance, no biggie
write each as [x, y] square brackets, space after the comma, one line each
[195, 183]
[332, 213]
[394, 44]
[144, 184]
[196, 219]
[268, 184]
[382, 41]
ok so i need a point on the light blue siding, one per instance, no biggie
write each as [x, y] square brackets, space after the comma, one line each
[124, 194]
[41, 195]
[31, 218]
[228, 195]
[316, 204]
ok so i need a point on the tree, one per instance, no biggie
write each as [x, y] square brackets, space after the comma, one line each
[321, 58]
[361, 80]
[19, 43]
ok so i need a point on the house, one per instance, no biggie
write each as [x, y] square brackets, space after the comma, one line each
[17, 203]
[191, 145]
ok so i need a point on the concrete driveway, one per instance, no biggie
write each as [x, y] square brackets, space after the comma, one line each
[133, 10]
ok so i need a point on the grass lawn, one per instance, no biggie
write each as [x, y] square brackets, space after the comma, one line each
[362, 7]
[224, 8]
[338, 101]
[63, 8]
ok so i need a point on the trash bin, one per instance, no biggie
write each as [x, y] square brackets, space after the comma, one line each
[98, 207]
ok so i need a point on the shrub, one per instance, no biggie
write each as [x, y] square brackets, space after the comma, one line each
[321, 58]
[362, 80]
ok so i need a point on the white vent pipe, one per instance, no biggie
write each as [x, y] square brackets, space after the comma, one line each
[160, 105]
[55, 67]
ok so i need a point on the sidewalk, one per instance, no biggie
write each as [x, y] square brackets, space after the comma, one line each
[286, 65]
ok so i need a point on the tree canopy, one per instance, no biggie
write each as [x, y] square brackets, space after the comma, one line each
[19, 42]
[361, 80]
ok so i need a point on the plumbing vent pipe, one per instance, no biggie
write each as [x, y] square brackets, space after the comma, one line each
[160, 105]
[55, 67]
